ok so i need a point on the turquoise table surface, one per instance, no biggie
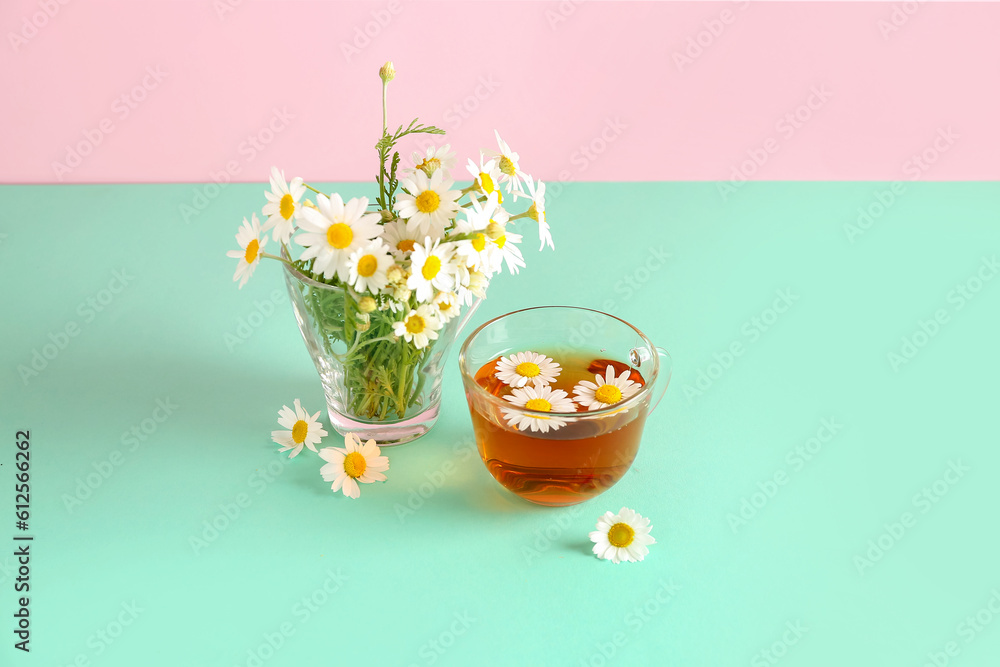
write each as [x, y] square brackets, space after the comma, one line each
[822, 476]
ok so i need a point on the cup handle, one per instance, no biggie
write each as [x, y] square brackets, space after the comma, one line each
[666, 370]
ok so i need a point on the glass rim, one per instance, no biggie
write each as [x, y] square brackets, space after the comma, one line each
[646, 388]
[298, 275]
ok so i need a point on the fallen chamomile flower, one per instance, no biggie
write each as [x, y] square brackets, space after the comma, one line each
[541, 399]
[353, 463]
[519, 369]
[608, 390]
[622, 537]
[249, 239]
[305, 430]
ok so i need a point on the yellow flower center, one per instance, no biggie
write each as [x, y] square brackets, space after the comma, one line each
[479, 242]
[539, 404]
[501, 241]
[533, 212]
[299, 431]
[339, 235]
[444, 306]
[528, 369]
[486, 182]
[428, 201]
[415, 324]
[287, 206]
[367, 266]
[252, 249]
[431, 267]
[507, 166]
[608, 393]
[621, 535]
[355, 464]
[406, 245]
[429, 165]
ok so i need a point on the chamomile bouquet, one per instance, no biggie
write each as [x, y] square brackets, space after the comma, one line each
[380, 281]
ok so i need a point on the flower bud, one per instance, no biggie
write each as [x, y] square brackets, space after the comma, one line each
[367, 304]
[387, 216]
[395, 274]
[387, 72]
[494, 230]
[401, 293]
[363, 324]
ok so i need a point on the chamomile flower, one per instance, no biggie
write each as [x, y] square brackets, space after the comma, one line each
[367, 267]
[538, 399]
[446, 305]
[433, 267]
[282, 204]
[353, 463]
[622, 537]
[510, 171]
[428, 203]
[435, 158]
[606, 390]
[400, 240]
[519, 369]
[507, 252]
[486, 176]
[333, 231]
[470, 284]
[305, 430]
[249, 239]
[537, 210]
[420, 326]
[476, 252]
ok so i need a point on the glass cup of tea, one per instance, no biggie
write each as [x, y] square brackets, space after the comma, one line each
[563, 436]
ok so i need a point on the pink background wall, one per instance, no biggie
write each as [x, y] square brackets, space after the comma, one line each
[105, 90]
